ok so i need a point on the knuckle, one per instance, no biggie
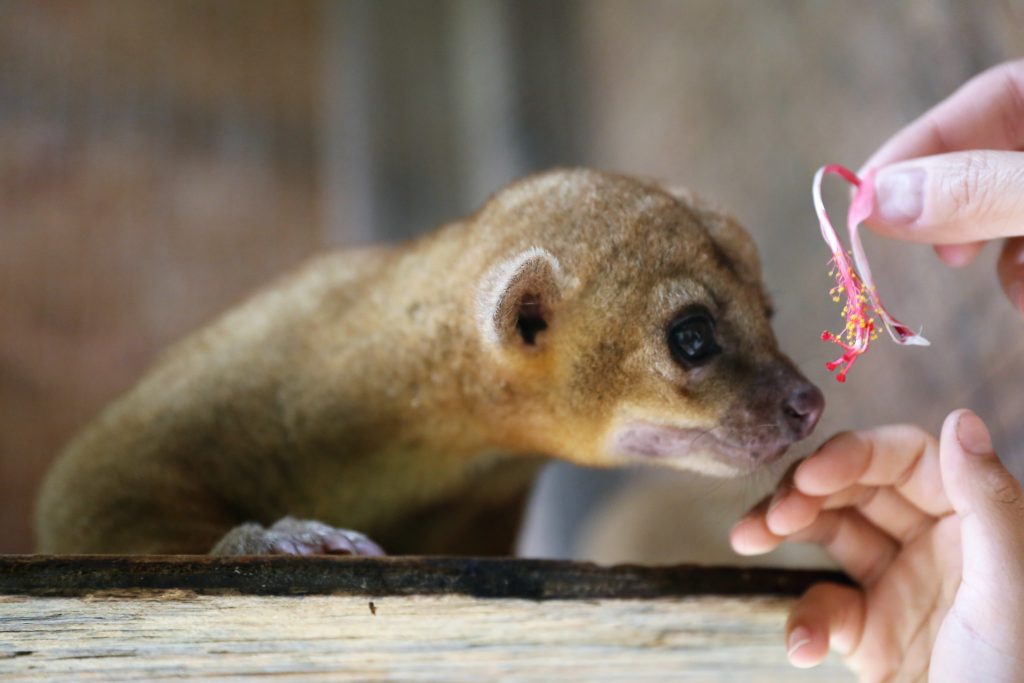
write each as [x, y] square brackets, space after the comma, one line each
[866, 497]
[827, 530]
[911, 532]
[969, 188]
[871, 572]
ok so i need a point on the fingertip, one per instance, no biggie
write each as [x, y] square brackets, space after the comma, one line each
[792, 512]
[987, 479]
[804, 649]
[950, 447]
[830, 468]
[828, 615]
[750, 536]
[988, 499]
[806, 476]
[958, 255]
[973, 474]
[735, 540]
[972, 434]
[738, 539]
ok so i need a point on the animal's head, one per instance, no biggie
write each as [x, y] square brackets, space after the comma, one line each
[628, 323]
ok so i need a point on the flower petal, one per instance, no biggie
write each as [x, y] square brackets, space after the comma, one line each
[854, 280]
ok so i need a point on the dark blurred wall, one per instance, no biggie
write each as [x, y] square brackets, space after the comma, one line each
[156, 163]
[435, 105]
[160, 159]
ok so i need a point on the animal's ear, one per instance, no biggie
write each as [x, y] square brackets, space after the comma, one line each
[731, 237]
[518, 297]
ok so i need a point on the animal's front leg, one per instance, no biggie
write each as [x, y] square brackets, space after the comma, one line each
[290, 536]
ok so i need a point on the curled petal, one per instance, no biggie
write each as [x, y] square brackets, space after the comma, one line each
[854, 281]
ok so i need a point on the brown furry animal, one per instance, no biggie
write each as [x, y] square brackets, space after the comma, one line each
[410, 392]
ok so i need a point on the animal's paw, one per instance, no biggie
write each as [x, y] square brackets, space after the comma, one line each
[289, 536]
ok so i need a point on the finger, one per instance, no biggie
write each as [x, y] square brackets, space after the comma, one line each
[989, 501]
[882, 506]
[951, 198]
[890, 512]
[902, 456]
[751, 536]
[1010, 270]
[789, 510]
[827, 615]
[958, 255]
[987, 112]
[861, 549]
[753, 531]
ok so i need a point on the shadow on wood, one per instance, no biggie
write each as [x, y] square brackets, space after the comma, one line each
[340, 575]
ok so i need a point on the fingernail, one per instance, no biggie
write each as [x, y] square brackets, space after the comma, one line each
[799, 637]
[899, 195]
[973, 435]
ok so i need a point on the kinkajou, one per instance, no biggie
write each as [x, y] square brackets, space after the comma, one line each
[410, 392]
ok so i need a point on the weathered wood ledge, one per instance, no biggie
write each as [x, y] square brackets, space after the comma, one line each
[398, 619]
[72, 575]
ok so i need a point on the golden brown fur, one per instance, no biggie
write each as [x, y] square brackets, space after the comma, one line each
[394, 391]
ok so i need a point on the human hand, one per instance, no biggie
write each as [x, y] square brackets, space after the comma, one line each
[954, 178]
[934, 535]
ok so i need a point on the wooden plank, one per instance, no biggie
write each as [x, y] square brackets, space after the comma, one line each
[393, 619]
[481, 577]
[177, 634]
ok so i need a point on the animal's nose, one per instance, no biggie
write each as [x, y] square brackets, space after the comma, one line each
[802, 409]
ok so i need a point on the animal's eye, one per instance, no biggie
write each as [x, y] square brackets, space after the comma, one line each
[691, 339]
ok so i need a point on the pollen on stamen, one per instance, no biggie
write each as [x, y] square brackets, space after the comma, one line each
[853, 278]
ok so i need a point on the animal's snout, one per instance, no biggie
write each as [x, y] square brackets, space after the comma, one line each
[802, 409]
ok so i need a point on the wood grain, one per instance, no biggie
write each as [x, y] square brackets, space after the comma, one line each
[393, 619]
[412, 638]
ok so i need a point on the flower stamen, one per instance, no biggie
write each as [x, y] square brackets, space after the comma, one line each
[853, 277]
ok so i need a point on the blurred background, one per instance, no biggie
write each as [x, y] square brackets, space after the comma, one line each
[160, 159]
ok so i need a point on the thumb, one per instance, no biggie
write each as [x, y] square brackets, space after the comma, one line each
[986, 497]
[955, 198]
